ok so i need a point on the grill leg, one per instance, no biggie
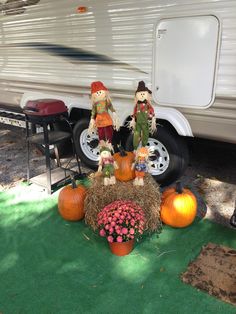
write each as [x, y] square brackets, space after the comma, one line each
[55, 148]
[28, 150]
[47, 156]
[73, 145]
[57, 156]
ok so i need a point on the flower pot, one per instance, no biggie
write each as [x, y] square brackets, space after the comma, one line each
[121, 248]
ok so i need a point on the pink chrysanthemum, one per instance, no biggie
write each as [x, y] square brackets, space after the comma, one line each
[110, 239]
[119, 239]
[102, 233]
[121, 221]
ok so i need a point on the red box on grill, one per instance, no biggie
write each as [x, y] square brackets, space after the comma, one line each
[45, 107]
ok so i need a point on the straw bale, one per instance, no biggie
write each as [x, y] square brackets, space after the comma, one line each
[148, 197]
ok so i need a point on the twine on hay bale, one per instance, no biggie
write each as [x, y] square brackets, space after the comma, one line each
[148, 197]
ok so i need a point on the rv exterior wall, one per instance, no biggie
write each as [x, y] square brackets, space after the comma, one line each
[51, 48]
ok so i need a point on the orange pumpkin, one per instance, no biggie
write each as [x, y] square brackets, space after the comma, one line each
[178, 207]
[167, 192]
[172, 190]
[124, 161]
[71, 202]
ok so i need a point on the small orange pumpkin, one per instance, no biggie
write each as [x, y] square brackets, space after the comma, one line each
[124, 160]
[71, 202]
[178, 207]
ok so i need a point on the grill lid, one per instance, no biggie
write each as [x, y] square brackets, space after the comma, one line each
[45, 107]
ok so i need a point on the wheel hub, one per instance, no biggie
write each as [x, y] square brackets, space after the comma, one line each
[93, 143]
[155, 155]
[159, 157]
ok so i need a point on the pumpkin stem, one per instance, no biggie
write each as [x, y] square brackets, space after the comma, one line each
[122, 151]
[73, 182]
[179, 187]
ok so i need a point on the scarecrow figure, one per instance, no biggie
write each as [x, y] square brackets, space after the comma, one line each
[141, 165]
[100, 118]
[143, 112]
[107, 164]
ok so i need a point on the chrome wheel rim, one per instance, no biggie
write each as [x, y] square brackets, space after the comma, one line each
[89, 145]
[159, 157]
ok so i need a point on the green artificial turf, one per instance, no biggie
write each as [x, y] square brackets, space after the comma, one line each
[49, 265]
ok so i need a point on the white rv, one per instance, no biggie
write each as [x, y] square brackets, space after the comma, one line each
[184, 50]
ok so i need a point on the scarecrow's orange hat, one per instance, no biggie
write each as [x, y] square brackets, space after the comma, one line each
[96, 86]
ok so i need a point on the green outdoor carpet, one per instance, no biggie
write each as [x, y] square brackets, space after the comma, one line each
[48, 265]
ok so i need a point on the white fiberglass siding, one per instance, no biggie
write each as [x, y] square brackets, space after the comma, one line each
[122, 30]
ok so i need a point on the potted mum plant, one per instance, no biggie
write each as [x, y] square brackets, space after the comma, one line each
[121, 222]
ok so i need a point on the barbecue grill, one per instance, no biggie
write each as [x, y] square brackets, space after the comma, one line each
[45, 113]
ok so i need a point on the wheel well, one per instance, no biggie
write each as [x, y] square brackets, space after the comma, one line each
[77, 114]
[167, 124]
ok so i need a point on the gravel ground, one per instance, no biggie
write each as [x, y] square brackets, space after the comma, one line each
[13, 157]
[211, 173]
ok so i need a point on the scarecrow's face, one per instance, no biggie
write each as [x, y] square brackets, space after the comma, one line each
[105, 154]
[99, 95]
[141, 96]
[142, 155]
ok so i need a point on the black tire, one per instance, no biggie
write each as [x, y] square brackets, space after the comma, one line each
[86, 146]
[176, 149]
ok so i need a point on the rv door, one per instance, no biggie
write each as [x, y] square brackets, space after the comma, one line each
[185, 61]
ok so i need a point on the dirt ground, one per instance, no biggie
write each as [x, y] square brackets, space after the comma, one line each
[13, 157]
[211, 173]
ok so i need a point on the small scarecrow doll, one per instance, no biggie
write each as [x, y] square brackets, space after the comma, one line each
[141, 165]
[143, 112]
[107, 164]
[100, 117]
